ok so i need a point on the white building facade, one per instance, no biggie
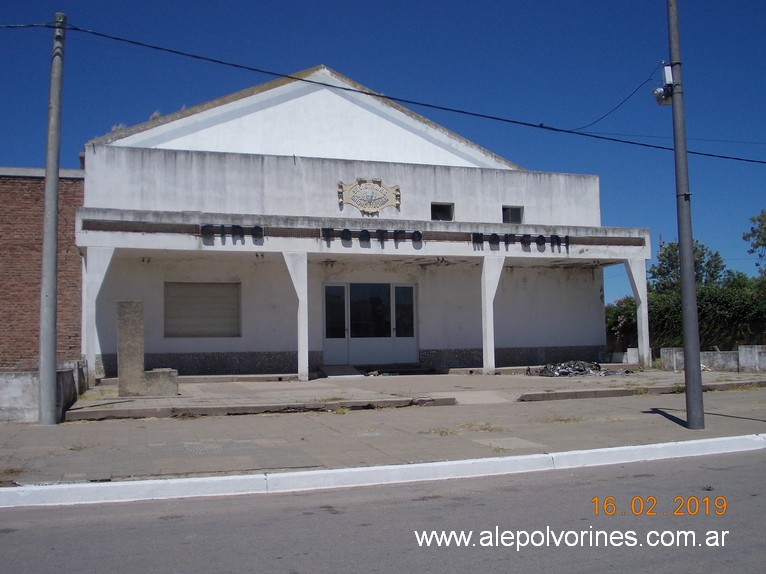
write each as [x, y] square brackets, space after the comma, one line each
[309, 222]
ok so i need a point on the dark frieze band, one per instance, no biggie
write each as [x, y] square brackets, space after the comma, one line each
[525, 239]
[382, 235]
[258, 233]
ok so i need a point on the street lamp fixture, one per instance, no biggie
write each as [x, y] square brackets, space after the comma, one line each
[664, 95]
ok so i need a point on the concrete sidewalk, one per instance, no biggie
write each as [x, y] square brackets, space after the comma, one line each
[350, 422]
[256, 394]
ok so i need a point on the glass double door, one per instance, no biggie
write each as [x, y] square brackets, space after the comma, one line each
[369, 323]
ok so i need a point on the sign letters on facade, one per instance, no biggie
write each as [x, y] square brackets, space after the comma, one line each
[365, 236]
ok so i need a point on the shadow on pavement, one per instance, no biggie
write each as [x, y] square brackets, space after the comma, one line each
[667, 415]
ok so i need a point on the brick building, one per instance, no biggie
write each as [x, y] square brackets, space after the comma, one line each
[22, 193]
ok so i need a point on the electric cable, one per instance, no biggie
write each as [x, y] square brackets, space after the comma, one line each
[400, 100]
[618, 106]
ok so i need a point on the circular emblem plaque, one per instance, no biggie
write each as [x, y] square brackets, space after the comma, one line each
[369, 196]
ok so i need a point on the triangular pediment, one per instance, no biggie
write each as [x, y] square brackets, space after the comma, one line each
[316, 113]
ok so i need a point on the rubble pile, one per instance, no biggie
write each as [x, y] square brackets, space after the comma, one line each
[575, 369]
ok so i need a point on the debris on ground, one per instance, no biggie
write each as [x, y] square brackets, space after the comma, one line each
[575, 369]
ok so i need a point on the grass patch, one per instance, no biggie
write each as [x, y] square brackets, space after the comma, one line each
[640, 391]
[564, 420]
[329, 400]
[184, 415]
[475, 427]
[8, 476]
[748, 387]
[340, 410]
[440, 432]
[94, 395]
[78, 447]
[678, 389]
[470, 427]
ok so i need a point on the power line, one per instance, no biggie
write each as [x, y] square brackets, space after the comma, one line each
[22, 26]
[618, 106]
[709, 140]
[400, 100]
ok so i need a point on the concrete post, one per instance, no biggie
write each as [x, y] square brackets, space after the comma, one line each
[48, 284]
[130, 348]
[636, 269]
[133, 380]
[492, 268]
[695, 410]
[297, 266]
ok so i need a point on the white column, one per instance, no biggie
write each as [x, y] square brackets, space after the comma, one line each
[491, 269]
[636, 269]
[95, 266]
[297, 265]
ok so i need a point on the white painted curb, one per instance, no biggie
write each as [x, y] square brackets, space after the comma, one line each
[263, 483]
[131, 490]
[626, 454]
[401, 473]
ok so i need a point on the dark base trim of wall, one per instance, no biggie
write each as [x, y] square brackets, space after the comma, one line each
[255, 363]
[451, 358]
[510, 356]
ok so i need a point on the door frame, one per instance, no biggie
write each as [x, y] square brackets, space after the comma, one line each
[369, 350]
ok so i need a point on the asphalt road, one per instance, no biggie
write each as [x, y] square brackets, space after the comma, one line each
[373, 529]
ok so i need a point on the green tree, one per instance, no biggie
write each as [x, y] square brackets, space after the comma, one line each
[731, 305]
[757, 239]
[621, 328]
[665, 319]
[665, 275]
[731, 313]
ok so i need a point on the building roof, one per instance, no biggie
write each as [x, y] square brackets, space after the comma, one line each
[39, 172]
[314, 113]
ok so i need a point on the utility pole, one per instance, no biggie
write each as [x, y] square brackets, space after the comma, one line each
[695, 413]
[48, 296]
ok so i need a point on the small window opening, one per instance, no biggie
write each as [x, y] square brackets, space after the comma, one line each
[512, 214]
[442, 211]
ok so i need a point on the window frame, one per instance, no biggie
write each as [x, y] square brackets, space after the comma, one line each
[188, 307]
[510, 209]
[440, 204]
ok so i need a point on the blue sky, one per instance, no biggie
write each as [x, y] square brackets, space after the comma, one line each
[562, 63]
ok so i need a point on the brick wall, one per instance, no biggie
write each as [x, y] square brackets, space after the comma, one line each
[21, 213]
